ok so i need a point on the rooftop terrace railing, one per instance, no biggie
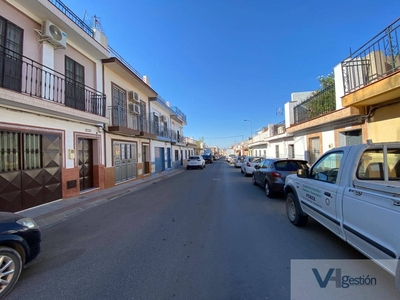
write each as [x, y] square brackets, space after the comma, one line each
[320, 103]
[377, 59]
[72, 16]
[179, 113]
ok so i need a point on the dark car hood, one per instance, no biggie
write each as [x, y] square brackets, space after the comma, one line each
[6, 217]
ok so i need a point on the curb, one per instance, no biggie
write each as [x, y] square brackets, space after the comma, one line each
[60, 210]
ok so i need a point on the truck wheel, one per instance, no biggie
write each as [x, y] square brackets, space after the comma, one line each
[294, 211]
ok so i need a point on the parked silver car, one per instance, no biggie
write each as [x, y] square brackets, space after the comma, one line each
[238, 161]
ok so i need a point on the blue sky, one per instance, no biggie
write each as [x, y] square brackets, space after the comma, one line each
[223, 61]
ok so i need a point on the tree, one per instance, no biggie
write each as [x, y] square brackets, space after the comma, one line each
[199, 142]
[327, 81]
[323, 100]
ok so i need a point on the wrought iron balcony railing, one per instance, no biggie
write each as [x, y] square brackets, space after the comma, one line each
[122, 117]
[377, 59]
[320, 103]
[24, 75]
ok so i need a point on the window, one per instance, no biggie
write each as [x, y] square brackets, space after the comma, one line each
[371, 165]
[142, 117]
[327, 168]
[10, 55]
[291, 151]
[290, 165]
[176, 155]
[9, 151]
[264, 163]
[119, 116]
[156, 124]
[74, 84]
[32, 155]
[277, 151]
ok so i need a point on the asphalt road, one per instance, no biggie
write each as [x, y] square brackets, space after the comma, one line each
[202, 234]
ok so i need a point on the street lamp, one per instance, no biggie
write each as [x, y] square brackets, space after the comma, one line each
[251, 127]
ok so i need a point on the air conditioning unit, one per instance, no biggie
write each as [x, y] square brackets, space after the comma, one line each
[131, 108]
[134, 108]
[54, 35]
[281, 130]
[133, 96]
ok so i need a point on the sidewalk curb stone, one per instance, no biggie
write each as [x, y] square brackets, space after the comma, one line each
[57, 211]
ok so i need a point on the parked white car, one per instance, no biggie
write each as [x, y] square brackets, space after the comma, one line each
[196, 161]
[248, 164]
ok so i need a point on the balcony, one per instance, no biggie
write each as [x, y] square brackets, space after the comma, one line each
[124, 122]
[190, 141]
[318, 104]
[26, 76]
[178, 115]
[371, 75]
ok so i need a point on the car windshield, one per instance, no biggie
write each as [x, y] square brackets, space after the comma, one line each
[290, 165]
[194, 157]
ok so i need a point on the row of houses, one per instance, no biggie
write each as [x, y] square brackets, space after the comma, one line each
[74, 115]
[363, 103]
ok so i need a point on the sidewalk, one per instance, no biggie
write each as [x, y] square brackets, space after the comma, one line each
[57, 211]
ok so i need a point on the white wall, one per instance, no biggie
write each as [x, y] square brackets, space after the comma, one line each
[339, 87]
[328, 140]
[300, 147]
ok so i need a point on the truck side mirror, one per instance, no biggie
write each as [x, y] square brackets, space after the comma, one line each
[303, 173]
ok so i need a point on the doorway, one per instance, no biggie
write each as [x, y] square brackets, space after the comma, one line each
[85, 163]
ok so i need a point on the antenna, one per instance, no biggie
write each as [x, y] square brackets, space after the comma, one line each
[97, 23]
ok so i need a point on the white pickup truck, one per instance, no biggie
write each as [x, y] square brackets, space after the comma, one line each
[355, 192]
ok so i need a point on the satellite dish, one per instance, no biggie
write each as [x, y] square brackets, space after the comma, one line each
[55, 32]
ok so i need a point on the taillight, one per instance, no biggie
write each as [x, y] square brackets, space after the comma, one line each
[276, 174]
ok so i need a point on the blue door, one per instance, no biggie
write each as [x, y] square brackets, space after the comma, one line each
[159, 159]
[169, 157]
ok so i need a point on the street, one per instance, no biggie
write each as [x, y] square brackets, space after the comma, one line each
[202, 234]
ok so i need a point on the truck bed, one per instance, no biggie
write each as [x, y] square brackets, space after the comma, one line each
[388, 187]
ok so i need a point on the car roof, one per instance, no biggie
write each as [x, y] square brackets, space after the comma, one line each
[286, 159]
